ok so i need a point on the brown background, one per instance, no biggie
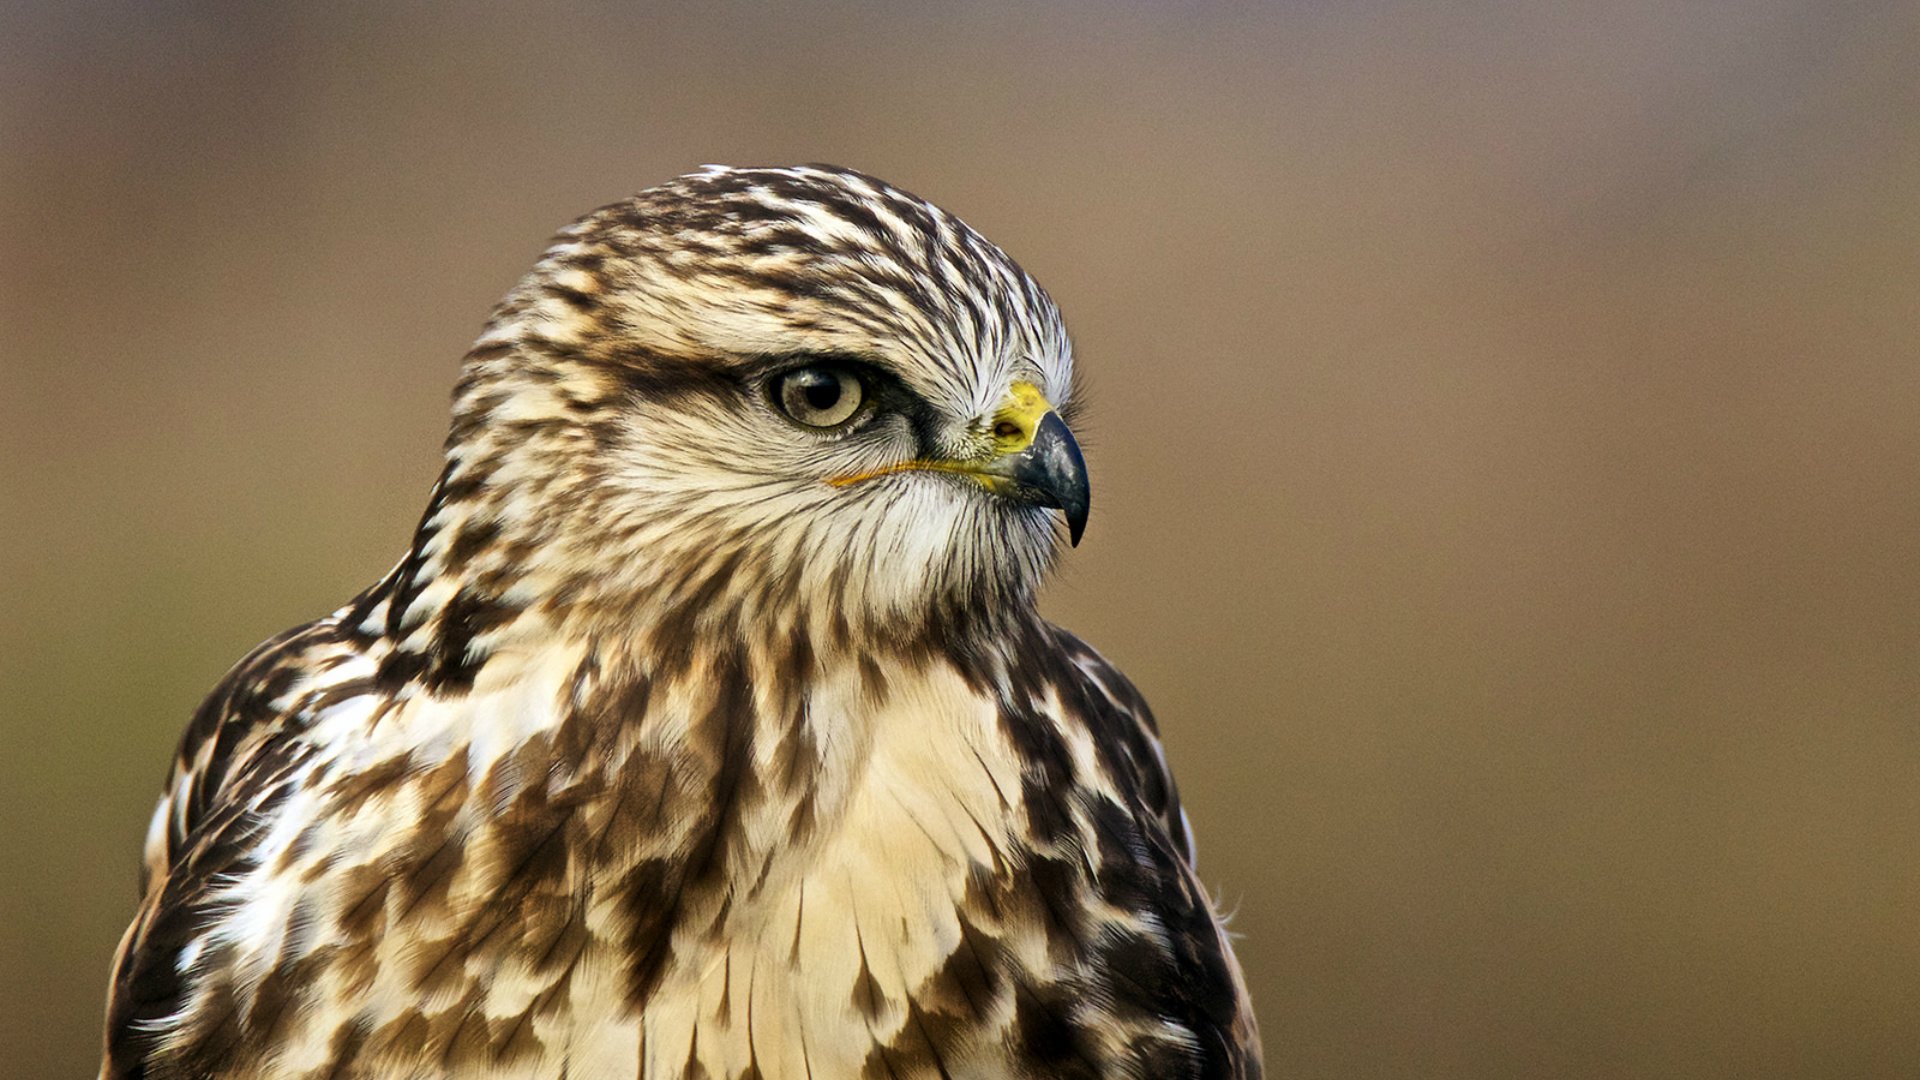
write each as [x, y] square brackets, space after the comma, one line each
[1506, 445]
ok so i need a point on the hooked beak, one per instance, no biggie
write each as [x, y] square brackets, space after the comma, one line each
[1048, 472]
[1034, 459]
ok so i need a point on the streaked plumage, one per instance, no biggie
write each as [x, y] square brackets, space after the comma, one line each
[689, 739]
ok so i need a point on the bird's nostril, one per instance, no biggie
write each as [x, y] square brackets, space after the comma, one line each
[1006, 429]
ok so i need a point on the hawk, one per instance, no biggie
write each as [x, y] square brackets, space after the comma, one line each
[708, 727]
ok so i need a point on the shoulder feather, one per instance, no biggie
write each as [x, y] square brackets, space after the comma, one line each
[233, 761]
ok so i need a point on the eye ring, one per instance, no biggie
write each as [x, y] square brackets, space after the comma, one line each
[819, 396]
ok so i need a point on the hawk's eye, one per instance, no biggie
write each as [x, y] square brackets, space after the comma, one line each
[819, 396]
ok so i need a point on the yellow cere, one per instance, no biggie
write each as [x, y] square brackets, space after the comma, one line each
[1015, 423]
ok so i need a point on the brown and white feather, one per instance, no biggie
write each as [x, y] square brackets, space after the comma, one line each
[656, 756]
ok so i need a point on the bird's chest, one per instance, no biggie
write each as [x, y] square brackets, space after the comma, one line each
[843, 887]
[836, 891]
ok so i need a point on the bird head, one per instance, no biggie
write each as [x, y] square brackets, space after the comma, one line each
[778, 393]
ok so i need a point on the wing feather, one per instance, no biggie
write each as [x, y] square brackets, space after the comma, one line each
[1197, 981]
[233, 761]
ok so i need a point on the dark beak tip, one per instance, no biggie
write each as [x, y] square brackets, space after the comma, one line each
[1057, 468]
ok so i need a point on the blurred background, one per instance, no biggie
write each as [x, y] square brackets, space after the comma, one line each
[1506, 430]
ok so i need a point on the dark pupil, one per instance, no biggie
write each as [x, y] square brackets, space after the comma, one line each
[820, 391]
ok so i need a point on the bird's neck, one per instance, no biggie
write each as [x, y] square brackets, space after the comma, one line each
[482, 584]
